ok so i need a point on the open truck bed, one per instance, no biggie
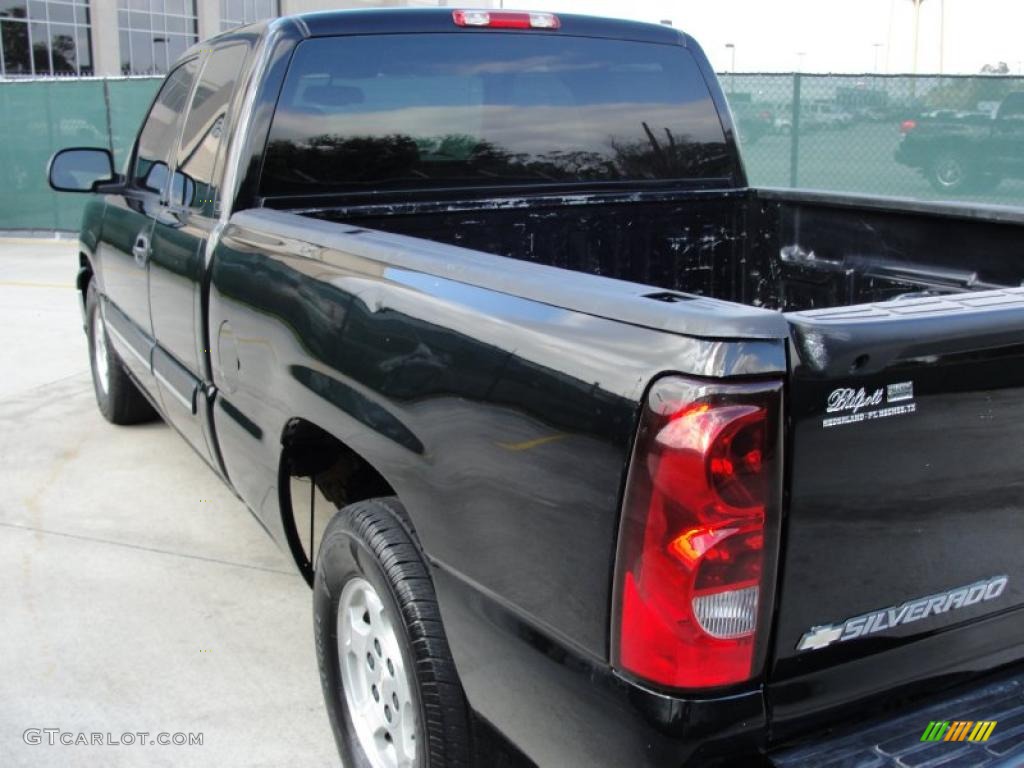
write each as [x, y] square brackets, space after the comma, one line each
[776, 249]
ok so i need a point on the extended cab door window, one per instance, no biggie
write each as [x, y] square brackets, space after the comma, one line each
[160, 131]
[200, 162]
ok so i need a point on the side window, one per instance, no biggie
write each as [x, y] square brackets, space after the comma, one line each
[160, 131]
[197, 176]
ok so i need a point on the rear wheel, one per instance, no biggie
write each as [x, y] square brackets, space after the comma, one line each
[949, 172]
[119, 400]
[390, 686]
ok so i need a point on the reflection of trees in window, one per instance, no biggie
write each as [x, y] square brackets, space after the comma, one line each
[336, 161]
[667, 156]
[14, 37]
[63, 53]
[45, 38]
[359, 158]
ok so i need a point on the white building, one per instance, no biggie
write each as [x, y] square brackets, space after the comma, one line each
[135, 37]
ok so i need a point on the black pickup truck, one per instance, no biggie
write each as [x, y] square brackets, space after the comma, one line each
[966, 151]
[593, 454]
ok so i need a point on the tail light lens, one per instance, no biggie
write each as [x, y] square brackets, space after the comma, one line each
[907, 126]
[699, 534]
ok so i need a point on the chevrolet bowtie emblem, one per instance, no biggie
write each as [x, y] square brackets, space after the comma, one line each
[820, 637]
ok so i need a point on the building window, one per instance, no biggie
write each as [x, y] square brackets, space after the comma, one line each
[154, 33]
[235, 13]
[45, 37]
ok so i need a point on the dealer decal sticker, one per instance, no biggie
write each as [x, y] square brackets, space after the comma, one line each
[852, 406]
[959, 730]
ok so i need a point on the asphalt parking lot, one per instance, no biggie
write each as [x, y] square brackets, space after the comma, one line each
[137, 593]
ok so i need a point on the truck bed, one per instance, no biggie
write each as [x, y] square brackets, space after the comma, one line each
[787, 251]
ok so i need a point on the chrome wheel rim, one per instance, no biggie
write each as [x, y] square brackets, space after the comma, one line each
[376, 684]
[99, 351]
[949, 172]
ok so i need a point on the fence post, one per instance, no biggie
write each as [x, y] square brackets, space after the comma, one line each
[794, 133]
[51, 144]
[110, 123]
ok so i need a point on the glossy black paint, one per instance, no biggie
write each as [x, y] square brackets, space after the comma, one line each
[504, 423]
[498, 397]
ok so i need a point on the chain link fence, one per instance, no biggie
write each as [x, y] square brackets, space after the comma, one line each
[827, 132]
[842, 132]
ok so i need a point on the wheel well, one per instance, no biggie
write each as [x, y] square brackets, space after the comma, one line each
[84, 272]
[319, 474]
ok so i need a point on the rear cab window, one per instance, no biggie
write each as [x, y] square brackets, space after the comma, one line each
[366, 114]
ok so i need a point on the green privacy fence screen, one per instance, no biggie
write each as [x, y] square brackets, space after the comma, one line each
[38, 117]
[828, 132]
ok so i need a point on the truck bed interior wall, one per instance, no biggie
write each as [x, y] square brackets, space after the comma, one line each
[776, 251]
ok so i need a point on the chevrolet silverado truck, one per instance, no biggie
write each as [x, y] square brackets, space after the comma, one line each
[593, 454]
[966, 151]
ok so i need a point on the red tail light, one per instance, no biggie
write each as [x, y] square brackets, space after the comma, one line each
[699, 534]
[907, 126]
[506, 19]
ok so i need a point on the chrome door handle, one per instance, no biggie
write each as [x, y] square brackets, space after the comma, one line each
[141, 249]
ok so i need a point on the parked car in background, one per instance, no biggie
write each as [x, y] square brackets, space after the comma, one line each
[824, 115]
[593, 454]
[814, 117]
[966, 151]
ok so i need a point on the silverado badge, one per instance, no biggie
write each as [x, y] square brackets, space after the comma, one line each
[905, 613]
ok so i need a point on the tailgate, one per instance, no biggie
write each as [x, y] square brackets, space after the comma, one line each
[903, 552]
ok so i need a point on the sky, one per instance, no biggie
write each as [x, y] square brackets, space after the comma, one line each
[833, 35]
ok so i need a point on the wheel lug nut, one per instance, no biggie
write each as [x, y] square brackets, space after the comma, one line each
[375, 692]
[394, 700]
[369, 660]
[387, 713]
[376, 646]
[391, 668]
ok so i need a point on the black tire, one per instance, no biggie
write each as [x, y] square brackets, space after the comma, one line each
[369, 541]
[120, 401]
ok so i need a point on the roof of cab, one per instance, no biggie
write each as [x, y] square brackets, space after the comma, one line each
[376, 21]
[411, 20]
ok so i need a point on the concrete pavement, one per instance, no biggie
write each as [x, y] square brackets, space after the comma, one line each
[137, 594]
